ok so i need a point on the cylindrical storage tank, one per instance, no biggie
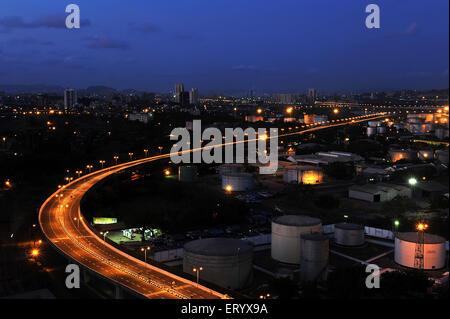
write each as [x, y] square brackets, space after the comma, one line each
[347, 234]
[286, 232]
[237, 182]
[381, 130]
[373, 123]
[434, 253]
[225, 262]
[314, 257]
[442, 156]
[425, 155]
[187, 173]
[371, 131]
[230, 169]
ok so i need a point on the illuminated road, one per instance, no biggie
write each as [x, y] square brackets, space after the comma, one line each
[59, 218]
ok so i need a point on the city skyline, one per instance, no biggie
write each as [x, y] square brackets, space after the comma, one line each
[227, 48]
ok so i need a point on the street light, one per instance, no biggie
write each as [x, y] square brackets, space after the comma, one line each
[104, 235]
[160, 149]
[78, 173]
[78, 219]
[412, 181]
[116, 158]
[146, 152]
[89, 167]
[102, 162]
[131, 156]
[145, 252]
[197, 270]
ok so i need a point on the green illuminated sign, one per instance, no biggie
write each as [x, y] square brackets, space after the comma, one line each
[104, 220]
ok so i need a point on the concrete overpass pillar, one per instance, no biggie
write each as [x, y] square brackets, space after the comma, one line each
[86, 276]
[118, 292]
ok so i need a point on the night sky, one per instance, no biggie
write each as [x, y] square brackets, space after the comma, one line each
[227, 46]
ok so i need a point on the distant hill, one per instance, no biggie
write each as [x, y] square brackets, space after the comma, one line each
[96, 90]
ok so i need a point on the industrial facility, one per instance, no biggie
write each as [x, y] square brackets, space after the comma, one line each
[347, 234]
[302, 174]
[225, 262]
[237, 182]
[314, 257]
[431, 250]
[286, 232]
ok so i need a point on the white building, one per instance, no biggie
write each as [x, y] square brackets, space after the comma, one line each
[378, 192]
[312, 93]
[193, 96]
[70, 98]
[141, 117]
[179, 87]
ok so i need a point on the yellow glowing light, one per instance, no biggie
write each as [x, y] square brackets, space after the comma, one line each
[228, 188]
[259, 111]
[421, 226]
[35, 252]
[289, 110]
[167, 172]
[263, 137]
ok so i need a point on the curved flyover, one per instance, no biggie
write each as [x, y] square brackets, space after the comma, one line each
[59, 218]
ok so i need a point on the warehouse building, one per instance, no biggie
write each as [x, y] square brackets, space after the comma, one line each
[378, 192]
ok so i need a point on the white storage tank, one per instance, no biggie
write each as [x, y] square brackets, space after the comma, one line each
[237, 182]
[434, 250]
[314, 257]
[225, 262]
[347, 234]
[187, 173]
[286, 232]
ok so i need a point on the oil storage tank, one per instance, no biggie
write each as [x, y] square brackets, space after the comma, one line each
[187, 173]
[286, 232]
[226, 262]
[314, 257]
[229, 169]
[434, 252]
[237, 182]
[347, 234]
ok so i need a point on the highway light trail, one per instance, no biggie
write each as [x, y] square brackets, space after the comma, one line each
[85, 247]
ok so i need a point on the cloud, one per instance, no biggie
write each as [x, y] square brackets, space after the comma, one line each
[103, 42]
[246, 68]
[145, 28]
[55, 21]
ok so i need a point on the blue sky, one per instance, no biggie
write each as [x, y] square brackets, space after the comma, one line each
[226, 46]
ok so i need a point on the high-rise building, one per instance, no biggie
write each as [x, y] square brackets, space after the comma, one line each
[70, 98]
[184, 99]
[312, 94]
[193, 96]
[179, 88]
